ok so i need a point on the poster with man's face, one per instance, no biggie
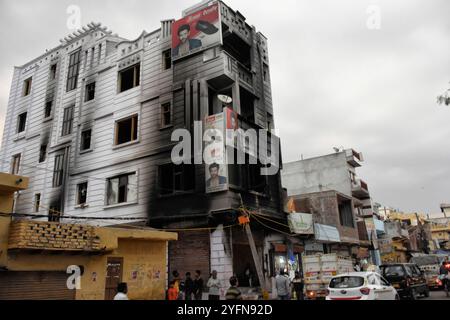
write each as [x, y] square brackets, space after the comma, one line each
[216, 170]
[196, 32]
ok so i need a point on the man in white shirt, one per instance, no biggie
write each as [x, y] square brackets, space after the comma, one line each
[214, 286]
[122, 290]
[283, 286]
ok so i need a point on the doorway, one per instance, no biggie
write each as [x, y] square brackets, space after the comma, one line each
[114, 272]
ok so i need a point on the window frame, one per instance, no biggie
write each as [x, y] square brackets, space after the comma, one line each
[109, 186]
[67, 123]
[19, 122]
[134, 130]
[184, 175]
[15, 163]
[27, 86]
[77, 194]
[162, 113]
[73, 70]
[166, 58]
[87, 91]
[58, 171]
[136, 77]
[82, 150]
[53, 71]
[37, 202]
[42, 155]
[46, 108]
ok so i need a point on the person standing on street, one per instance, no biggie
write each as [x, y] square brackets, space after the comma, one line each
[297, 283]
[282, 285]
[122, 290]
[233, 292]
[214, 286]
[172, 292]
[198, 285]
[188, 287]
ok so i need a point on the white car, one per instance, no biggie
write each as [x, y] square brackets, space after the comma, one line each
[360, 286]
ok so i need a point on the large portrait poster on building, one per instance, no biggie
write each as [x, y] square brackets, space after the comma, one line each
[216, 170]
[196, 32]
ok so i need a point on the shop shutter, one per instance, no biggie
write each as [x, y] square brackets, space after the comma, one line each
[34, 285]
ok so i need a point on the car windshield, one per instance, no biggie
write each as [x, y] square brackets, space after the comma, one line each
[346, 282]
[393, 271]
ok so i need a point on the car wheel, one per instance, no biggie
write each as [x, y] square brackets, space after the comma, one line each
[413, 294]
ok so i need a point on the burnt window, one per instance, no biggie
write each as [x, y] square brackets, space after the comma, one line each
[42, 153]
[167, 59]
[54, 213]
[85, 140]
[166, 114]
[266, 73]
[90, 92]
[122, 189]
[74, 68]
[176, 178]
[82, 193]
[346, 213]
[58, 171]
[37, 202]
[48, 109]
[67, 121]
[53, 71]
[126, 130]
[21, 122]
[27, 87]
[15, 164]
[129, 78]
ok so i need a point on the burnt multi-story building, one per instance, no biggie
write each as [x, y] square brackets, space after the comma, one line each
[90, 122]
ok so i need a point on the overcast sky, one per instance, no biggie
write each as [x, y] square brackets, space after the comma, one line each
[335, 82]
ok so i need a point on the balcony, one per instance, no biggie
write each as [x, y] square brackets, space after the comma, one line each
[353, 158]
[360, 189]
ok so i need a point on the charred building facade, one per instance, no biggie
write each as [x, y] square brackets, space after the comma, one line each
[91, 123]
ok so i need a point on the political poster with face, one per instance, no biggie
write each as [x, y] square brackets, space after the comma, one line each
[216, 169]
[196, 32]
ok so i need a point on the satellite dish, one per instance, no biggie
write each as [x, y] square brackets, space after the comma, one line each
[224, 98]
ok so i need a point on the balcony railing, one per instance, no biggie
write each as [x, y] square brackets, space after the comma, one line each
[360, 189]
[27, 234]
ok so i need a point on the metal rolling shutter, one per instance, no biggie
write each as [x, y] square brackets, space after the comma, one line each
[34, 285]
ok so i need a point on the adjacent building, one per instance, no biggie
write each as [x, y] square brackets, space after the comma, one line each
[328, 187]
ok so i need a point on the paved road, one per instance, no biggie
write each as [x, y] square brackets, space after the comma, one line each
[436, 295]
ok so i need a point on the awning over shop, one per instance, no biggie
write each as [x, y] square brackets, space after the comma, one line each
[326, 233]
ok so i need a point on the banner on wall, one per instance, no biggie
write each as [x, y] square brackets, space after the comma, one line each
[216, 169]
[196, 32]
[300, 223]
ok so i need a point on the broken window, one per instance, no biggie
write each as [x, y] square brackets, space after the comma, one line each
[27, 86]
[346, 213]
[15, 164]
[37, 202]
[247, 105]
[90, 92]
[67, 121]
[48, 109]
[53, 71]
[58, 171]
[266, 73]
[166, 115]
[167, 59]
[129, 78]
[74, 68]
[270, 125]
[82, 193]
[54, 213]
[85, 140]
[42, 153]
[176, 178]
[122, 189]
[21, 122]
[126, 130]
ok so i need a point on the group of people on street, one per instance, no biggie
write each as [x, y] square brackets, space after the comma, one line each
[285, 287]
[189, 289]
